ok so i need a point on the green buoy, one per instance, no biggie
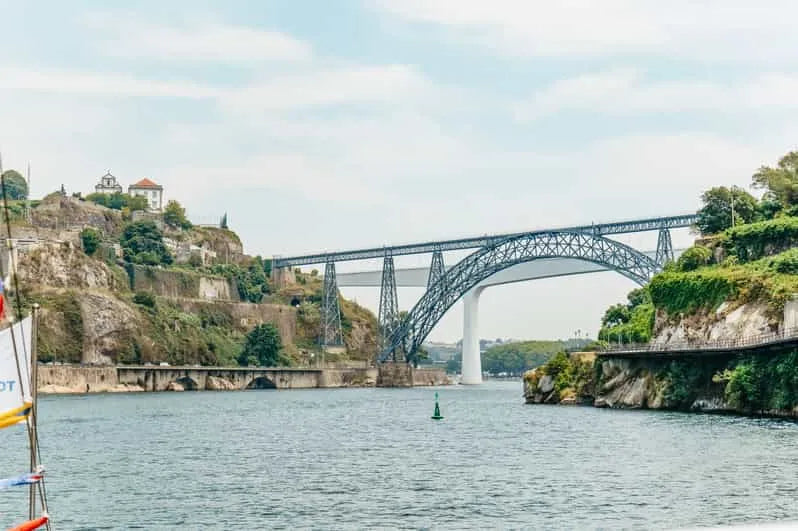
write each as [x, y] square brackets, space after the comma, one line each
[437, 415]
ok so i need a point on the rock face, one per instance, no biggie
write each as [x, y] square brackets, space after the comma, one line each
[214, 383]
[626, 384]
[724, 323]
[109, 326]
[64, 265]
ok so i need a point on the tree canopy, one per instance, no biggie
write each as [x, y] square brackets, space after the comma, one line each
[517, 357]
[174, 215]
[716, 214]
[91, 240]
[780, 183]
[262, 347]
[142, 243]
[16, 185]
[118, 201]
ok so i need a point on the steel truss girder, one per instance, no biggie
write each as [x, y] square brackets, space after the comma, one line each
[664, 248]
[331, 334]
[436, 268]
[493, 258]
[388, 315]
[620, 227]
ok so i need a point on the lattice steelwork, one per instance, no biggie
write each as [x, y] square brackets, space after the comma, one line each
[436, 269]
[491, 259]
[598, 229]
[388, 316]
[664, 247]
[331, 335]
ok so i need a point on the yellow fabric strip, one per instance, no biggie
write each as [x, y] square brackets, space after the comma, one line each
[9, 418]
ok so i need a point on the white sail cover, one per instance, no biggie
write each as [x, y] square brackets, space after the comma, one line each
[13, 393]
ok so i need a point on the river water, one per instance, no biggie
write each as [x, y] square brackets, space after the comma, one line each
[366, 458]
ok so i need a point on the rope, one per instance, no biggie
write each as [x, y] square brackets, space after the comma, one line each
[33, 436]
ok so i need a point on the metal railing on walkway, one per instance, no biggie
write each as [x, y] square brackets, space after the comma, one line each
[716, 345]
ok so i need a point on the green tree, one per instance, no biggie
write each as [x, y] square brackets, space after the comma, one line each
[91, 240]
[119, 201]
[174, 215]
[780, 183]
[142, 243]
[615, 315]
[223, 223]
[15, 184]
[262, 347]
[693, 258]
[716, 214]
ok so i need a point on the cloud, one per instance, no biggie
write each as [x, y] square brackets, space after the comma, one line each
[736, 30]
[125, 35]
[99, 84]
[627, 92]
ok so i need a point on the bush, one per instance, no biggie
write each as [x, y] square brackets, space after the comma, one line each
[786, 262]
[686, 292]
[174, 215]
[144, 298]
[262, 347]
[142, 243]
[91, 240]
[693, 258]
[756, 240]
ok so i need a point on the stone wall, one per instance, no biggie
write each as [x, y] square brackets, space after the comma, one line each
[183, 284]
[430, 376]
[74, 379]
[246, 315]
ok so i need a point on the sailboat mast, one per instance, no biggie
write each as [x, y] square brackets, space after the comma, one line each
[34, 392]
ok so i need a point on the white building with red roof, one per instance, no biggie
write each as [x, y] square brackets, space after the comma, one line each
[152, 191]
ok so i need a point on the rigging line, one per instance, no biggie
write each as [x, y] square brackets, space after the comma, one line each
[33, 436]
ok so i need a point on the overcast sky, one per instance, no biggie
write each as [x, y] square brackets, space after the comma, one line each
[327, 125]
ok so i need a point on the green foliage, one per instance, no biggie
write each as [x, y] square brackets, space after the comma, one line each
[786, 262]
[517, 357]
[251, 281]
[61, 327]
[758, 383]
[119, 201]
[685, 378]
[781, 182]
[142, 243]
[223, 222]
[174, 215]
[633, 322]
[751, 242]
[262, 347]
[144, 298]
[16, 187]
[716, 214]
[91, 240]
[693, 258]
[571, 373]
[682, 293]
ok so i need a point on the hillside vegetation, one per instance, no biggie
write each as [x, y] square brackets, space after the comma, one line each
[121, 286]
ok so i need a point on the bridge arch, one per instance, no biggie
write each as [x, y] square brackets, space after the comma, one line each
[188, 383]
[498, 256]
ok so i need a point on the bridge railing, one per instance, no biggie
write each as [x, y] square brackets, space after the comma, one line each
[758, 340]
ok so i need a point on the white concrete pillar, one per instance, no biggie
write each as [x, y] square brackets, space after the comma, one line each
[472, 361]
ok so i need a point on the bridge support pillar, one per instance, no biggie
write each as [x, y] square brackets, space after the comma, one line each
[331, 334]
[388, 315]
[436, 269]
[664, 248]
[472, 361]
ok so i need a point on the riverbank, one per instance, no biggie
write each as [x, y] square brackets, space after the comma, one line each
[79, 379]
[754, 384]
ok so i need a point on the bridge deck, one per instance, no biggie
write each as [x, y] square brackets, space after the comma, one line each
[620, 227]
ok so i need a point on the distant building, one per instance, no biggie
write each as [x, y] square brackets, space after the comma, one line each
[153, 192]
[108, 185]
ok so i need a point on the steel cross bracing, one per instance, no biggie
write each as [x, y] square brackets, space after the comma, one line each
[602, 229]
[436, 268]
[388, 317]
[331, 335]
[495, 257]
[664, 247]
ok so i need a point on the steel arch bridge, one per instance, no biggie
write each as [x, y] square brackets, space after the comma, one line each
[476, 267]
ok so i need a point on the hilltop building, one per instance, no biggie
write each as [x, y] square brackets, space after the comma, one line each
[151, 191]
[108, 185]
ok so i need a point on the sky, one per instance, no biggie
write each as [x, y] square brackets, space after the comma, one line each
[332, 125]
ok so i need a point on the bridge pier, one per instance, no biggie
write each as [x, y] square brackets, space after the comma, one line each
[472, 360]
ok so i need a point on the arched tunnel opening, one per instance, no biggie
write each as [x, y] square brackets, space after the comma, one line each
[260, 383]
[188, 383]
